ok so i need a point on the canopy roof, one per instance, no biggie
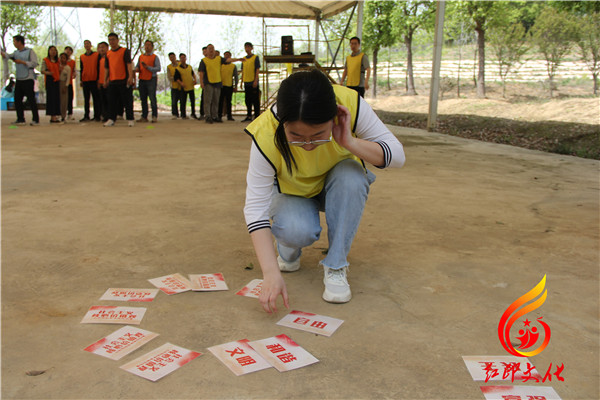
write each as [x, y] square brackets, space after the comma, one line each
[294, 9]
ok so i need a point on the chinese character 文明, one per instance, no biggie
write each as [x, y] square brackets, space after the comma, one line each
[235, 351]
[286, 357]
[489, 369]
[246, 360]
[319, 324]
[301, 321]
[275, 348]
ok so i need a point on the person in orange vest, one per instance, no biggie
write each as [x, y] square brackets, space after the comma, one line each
[88, 65]
[71, 63]
[102, 91]
[148, 66]
[51, 70]
[119, 79]
[356, 65]
[229, 76]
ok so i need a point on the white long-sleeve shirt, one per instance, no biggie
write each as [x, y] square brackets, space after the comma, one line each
[261, 175]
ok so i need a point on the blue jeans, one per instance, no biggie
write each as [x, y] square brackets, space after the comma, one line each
[148, 89]
[296, 219]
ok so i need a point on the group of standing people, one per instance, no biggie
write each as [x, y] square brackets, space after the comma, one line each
[218, 78]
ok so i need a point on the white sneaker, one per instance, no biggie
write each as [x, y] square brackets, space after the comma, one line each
[288, 266]
[337, 289]
[131, 123]
[108, 123]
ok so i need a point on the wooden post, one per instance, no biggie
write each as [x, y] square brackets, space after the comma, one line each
[437, 61]
[359, 21]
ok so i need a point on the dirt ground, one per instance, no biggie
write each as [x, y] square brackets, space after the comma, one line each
[446, 244]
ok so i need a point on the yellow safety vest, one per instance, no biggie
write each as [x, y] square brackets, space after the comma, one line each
[309, 178]
[354, 65]
[171, 70]
[213, 69]
[186, 77]
[248, 69]
[227, 74]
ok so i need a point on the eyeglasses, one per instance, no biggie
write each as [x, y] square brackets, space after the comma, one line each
[315, 142]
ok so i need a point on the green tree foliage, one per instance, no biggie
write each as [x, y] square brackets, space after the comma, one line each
[409, 16]
[134, 28]
[508, 43]
[377, 30]
[20, 20]
[588, 41]
[554, 33]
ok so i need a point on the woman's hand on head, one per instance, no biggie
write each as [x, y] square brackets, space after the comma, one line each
[341, 128]
[273, 285]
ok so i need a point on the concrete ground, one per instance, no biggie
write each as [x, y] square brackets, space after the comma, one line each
[446, 244]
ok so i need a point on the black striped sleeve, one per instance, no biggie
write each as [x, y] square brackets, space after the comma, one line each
[254, 226]
[387, 155]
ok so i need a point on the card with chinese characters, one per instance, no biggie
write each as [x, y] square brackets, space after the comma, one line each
[121, 342]
[283, 353]
[252, 289]
[114, 315]
[519, 393]
[160, 362]
[172, 284]
[121, 294]
[239, 357]
[208, 282]
[501, 368]
[309, 322]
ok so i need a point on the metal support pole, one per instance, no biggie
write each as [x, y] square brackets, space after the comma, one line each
[317, 23]
[359, 22]
[437, 61]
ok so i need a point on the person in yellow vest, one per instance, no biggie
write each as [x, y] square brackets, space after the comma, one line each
[356, 65]
[210, 67]
[88, 65]
[186, 80]
[229, 76]
[175, 88]
[119, 78]
[148, 67]
[308, 154]
[71, 62]
[250, 70]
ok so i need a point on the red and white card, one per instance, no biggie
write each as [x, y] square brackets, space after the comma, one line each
[500, 368]
[309, 322]
[124, 294]
[519, 393]
[252, 289]
[114, 315]
[208, 282]
[239, 357]
[121, 342]
[283, 353]
[172, 284]
[160, 362]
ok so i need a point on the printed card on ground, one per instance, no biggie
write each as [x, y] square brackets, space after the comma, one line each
[208, 282]
[121, 342]
[519, 393]
[123, 294]
[500, 368]
[114, 315]
[283, 353]
[239, 357]
[252, 289]
[160, 362]
[172, 284]
[309, 322]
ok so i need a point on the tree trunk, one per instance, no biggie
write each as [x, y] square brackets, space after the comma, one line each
[410, 87]
[481, 63]
[595, 76]
[458, 72]
[375, 51]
